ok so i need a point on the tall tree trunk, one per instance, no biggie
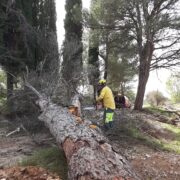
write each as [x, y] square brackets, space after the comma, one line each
[95, 91]
[144, 69]
[72, 52]
[93, 62]
[106, 57]
[143, 78]
[93, 55]
[106, 68]
[10, 80]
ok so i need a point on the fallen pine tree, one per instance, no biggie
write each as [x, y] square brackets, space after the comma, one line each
[88, 154]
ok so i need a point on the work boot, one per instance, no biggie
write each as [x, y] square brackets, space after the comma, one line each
[105, 127]
[110, 124]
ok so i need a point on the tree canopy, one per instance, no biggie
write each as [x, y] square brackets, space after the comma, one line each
[146, 30]
[126, 38]
[72, 50]
[27, 37]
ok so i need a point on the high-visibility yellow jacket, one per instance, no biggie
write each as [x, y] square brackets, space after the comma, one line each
[107, 96]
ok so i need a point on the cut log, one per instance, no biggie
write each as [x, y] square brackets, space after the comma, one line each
[88, 154]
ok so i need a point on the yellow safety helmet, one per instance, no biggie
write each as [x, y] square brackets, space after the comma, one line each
[102, 81]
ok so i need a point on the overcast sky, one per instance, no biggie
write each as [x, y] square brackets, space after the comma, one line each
[61, 15]
[157, 78]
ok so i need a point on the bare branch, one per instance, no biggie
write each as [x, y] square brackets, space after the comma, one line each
[168, 46]
[33, 89]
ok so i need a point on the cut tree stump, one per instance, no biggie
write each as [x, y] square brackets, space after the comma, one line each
[88, 154]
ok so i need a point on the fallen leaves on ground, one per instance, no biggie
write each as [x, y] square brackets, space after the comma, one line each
[27, 173]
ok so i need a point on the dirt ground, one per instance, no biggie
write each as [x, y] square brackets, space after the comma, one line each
[149, 163]
[27, 173]
[17, 144]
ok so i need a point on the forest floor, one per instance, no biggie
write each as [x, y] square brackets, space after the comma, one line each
[148, 141]
[148, 145]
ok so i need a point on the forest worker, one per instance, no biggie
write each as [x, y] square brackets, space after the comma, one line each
[120, 100]
[106, 96]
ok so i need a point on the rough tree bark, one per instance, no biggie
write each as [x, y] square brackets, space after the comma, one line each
[144, 69]
[88, 154]
[10, 80]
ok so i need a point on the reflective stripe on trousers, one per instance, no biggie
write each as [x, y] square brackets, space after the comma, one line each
[108, 115]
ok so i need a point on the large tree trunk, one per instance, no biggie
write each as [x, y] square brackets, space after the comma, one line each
[144, 69]
[106, 57]
[10, 80]
[143, 78]
[88, 154]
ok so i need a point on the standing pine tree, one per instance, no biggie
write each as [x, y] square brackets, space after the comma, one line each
[93, 52]
[28, 38]
[72, 52]
[47, 41]
[12, 61]
[152, 27]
